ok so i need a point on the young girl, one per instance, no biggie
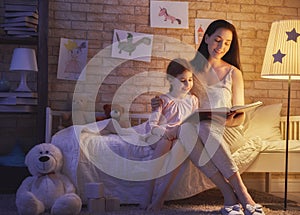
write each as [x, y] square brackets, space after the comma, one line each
[177, 105]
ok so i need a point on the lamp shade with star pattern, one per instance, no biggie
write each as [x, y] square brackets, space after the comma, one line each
[282, 56]
[282, 61]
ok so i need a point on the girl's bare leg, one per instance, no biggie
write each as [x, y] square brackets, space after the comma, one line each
[158, 202]
[162, 147]
[110, 128]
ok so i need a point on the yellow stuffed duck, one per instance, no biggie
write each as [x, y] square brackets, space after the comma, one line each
[47, 190]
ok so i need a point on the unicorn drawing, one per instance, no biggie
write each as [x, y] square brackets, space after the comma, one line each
[163, 12]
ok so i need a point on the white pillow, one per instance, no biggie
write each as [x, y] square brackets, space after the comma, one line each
[263, 122]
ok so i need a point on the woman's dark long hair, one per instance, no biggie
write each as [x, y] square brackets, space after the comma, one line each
[232, 56]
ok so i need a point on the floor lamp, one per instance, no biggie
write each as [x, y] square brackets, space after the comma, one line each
[282, 61]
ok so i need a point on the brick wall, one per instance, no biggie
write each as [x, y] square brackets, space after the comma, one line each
[95, 21]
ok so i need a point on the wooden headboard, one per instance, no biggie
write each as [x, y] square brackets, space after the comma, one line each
[294, 127]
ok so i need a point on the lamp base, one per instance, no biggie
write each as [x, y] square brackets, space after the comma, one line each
[23, 83]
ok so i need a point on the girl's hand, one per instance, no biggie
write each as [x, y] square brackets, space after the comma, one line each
[171, 133]
[155, 103]
[235, 119]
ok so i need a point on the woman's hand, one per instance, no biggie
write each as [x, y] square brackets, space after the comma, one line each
[155, 103]
[235, 119]
[219, 118]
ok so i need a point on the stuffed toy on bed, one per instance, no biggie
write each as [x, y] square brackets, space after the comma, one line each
[47, 189]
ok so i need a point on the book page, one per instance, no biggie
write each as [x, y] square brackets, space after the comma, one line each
[208, 114]
[243, 108]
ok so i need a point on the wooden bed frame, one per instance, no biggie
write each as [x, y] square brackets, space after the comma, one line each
[266, 162]
[274, 162]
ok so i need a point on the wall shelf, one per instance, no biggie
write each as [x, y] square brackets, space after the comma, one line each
[41, 44]
[20, 41]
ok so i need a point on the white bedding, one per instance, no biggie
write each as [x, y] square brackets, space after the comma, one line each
[80, 143]
[280, 146]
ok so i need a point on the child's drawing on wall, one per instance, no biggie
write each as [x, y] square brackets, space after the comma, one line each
[167, 17]
[132, 45]
[200, 27]
[72, 59]
[167, 14]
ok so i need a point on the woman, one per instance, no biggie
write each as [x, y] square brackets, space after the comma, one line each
[217, 65]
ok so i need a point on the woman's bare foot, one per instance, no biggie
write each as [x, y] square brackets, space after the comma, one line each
[143, 206]
[146, 199]
[155, 206]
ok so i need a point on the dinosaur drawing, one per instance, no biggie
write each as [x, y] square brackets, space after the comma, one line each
[130, 46]
[163, 12]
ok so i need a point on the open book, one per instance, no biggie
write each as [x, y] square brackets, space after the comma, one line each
[204, 114]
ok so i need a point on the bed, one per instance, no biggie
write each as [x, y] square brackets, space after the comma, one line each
[261, 148]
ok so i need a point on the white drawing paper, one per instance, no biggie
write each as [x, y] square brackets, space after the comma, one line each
[167, 14]
[132, 45]
[72, 59]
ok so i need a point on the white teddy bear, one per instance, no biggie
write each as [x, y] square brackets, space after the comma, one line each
[47, 189]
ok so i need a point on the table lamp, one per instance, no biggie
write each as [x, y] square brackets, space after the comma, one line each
[282, 61]
[23, 60]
